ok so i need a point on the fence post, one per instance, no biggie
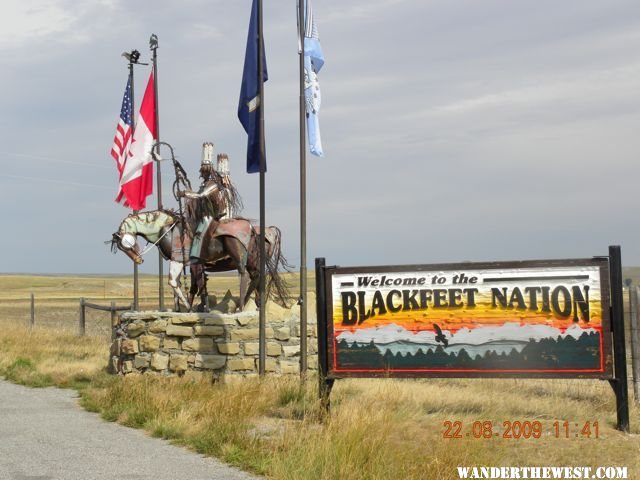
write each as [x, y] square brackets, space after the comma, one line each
[635, 358]
[114, 320]
[82, 319]
[32, 320]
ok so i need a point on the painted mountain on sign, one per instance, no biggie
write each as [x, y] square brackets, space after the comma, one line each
[511, 346]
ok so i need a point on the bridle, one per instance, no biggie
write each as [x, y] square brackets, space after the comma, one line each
[127, 243]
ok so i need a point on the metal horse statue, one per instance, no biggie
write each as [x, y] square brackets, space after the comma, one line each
[229, 245]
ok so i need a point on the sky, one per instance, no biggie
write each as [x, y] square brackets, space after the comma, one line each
[453, 130]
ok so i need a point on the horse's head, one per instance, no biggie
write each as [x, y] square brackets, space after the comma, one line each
[125, 239]
[148, 225]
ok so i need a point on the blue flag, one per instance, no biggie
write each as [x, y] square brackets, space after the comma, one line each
[250, 102]
[313, 62]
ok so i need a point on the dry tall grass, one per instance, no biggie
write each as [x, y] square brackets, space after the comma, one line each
[44, 357]
[377, 429]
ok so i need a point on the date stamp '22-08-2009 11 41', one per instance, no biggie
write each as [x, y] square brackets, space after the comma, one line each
[519, 429]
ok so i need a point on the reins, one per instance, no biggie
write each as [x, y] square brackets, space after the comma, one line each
[151, 245]
[181, 181]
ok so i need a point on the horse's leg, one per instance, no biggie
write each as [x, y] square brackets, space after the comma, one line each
[251, 278]
[193, 284]
[175, 270]
[204, 294]
[238, 254]
[244, 286]
[254, 286]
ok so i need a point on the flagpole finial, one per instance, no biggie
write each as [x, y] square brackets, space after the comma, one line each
[133, 57]
[153, 42]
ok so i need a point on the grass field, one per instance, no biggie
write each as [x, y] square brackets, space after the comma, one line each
[57, 298]
[377, 429]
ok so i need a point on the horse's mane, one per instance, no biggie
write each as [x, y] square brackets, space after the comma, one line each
[171, 212]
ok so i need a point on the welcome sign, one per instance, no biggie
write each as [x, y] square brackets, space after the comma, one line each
[534, 319]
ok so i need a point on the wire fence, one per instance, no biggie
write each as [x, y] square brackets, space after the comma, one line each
[63, 313]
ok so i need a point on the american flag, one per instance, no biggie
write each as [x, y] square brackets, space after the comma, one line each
[136, 175]
[124, 130]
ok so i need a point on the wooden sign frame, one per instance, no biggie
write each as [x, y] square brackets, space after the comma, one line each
[356, 308]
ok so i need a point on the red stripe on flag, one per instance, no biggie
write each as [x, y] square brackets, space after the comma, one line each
[137, 172]
[137, 190]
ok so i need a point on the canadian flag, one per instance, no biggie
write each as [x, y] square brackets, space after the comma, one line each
[136, 181]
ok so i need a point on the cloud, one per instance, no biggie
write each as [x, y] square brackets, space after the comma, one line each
[24, 22]
[452, 130]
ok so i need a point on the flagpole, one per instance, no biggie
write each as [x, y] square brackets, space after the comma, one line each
[153, 46]
[136, 294]
[263, 300]
[302, 301]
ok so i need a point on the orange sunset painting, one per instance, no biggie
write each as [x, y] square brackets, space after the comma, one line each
[525, 319]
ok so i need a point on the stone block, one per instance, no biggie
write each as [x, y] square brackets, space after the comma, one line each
[228, 304]
[283, 333]
[170, 342]
[178, 362]
[312, 362]
[274, 349]
[251, 348]
[228, 348]
[250, 306]
[216, 318]
[270, 365]
[144, 316]
[198, 345]
[127, 366]
[159, 361]
[247, 318]
[142, 361]
[158, 326]
[178, 331]
[311, 330]
[312, 347]
[184, 318]
[210, 330]
[212, 299]
[129, 347]
[291, 350]
[249, 334]
[135, 328]
[244, 334]
[210, 362]
[311, 308]
[149, 343]
[276, 313]
[237, 364]
[287, 368]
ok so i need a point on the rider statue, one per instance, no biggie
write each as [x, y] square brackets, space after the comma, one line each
[216, 200]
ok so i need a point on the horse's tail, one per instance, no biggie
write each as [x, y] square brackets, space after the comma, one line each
[276, 261]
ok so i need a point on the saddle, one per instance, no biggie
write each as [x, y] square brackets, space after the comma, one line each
[237, 228]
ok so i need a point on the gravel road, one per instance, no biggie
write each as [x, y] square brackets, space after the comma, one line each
[45, 435]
